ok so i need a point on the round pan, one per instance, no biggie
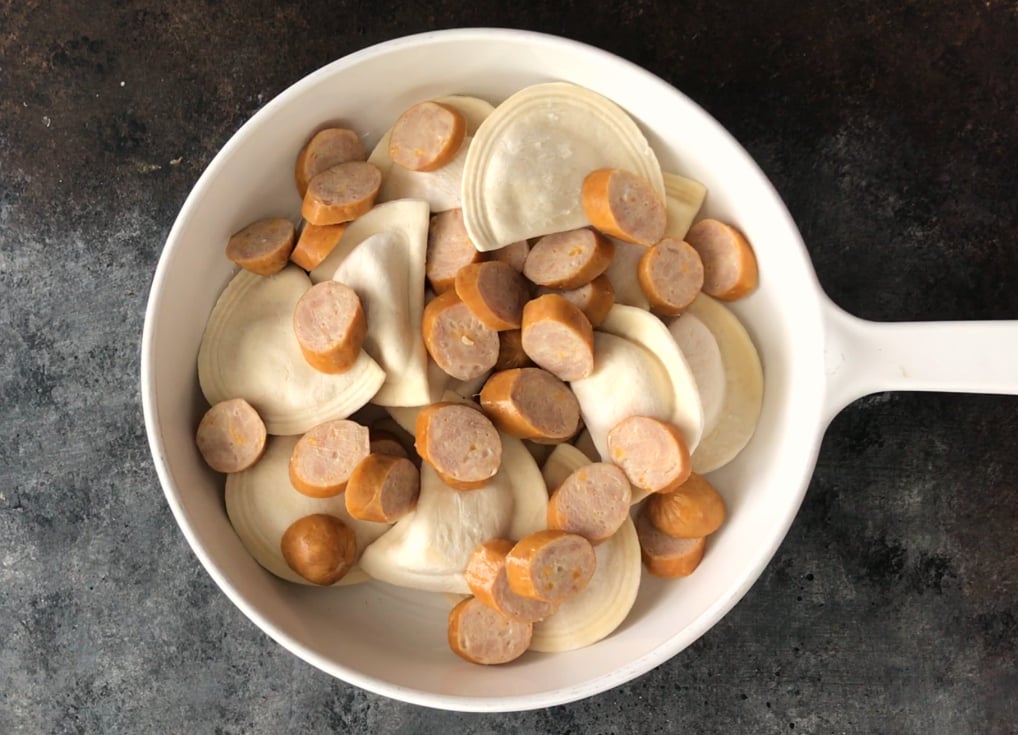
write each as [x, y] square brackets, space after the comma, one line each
[816, 359]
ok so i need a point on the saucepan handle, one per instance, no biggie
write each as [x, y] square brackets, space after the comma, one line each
[865, 357]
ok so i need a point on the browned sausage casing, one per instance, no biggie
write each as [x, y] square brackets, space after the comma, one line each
[486, 577]
[550, 565]
[531, 403]
[320, 548]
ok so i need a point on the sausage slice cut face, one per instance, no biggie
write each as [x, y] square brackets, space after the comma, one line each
[494, 292]
[231, 436]
[456, 339]
[449, 249]
[461, 444]
[671, 275]
[624, 205]
[593, 502]
[558, 337]
[427, 136]
[568, 259]
[382, 488]
[482, 635]
[486, 576]
[330, 326]
[664, 555]
[729, 265]
[327, 148]
[550, 565]
[651, 452]
[341, 193]
[263, 247]
[325, 456]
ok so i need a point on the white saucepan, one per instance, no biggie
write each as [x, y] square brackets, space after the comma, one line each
[816, 359]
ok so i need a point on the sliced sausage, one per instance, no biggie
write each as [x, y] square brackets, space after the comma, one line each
[385, 430]
[341, 193]
[494, 292]
[382, 488]
[263, 247]
[595, 299]
[482, 635]
[458, 341]
[327, 148]
[427, 136]
[593, 501]
[664, 555]
[315, 243]
[557, 336]
[510, 351]
[231, 436]
[461, 444]
[568, 259]
[550, 565]
[652, 453]
[694, 510]
[624, 205]
[382, 442]
[531, 403]
[670, 275]
[514, 254]
[449, 249]
[729, 265]
[486, 577]
[330, 326]
[324, 458]
[320, 548]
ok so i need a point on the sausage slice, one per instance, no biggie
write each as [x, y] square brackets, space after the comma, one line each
[315, 243]
[550, 565]
[324, 458]
[382, 442]
[482, 635]
[664, 555]
[330, 326]
[382, 488]
[694, 510]
[461, 444]
[494, 292]
[729, 265]
[341, 193]
[327, 148]
[456, 339]
[514, 254]
[651, 452]
[262, 247]
[510, 351]
[231, 436]
[531, 403]
[486, 577]
[593, 501]
[427, 136]
[557, 336]
[449, 249]
[568, 259]
[624, 205]
[670, 275]
[320, 548]
[595, 299]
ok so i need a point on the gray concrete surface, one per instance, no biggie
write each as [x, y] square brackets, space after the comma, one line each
[889, 128]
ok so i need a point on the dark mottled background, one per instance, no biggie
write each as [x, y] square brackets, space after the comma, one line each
[889, 128]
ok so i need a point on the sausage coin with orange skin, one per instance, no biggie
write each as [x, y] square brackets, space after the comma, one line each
[568, 259]
[449, 249]
[671, 275]
[460, 443]
[456, 339]
[494, 292]
[341, 193]
[593, 501]
[664, 555]
[486, 577]
[510, 351]
[482, 635]
[514, 254]
[427, 136]
[327, 148]
[595, 299]
[382, 442]
[624, 205]
[263, 247]
[382, 488]
[652, 453]
[694, 510]
[557, 336]
[231, 436]
[531, 403]
[330, 326]
[729, 264]
[320, 548]
[550, 565]
[315, 243]
[325, 456]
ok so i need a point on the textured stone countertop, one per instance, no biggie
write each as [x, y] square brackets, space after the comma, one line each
[889, 128]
